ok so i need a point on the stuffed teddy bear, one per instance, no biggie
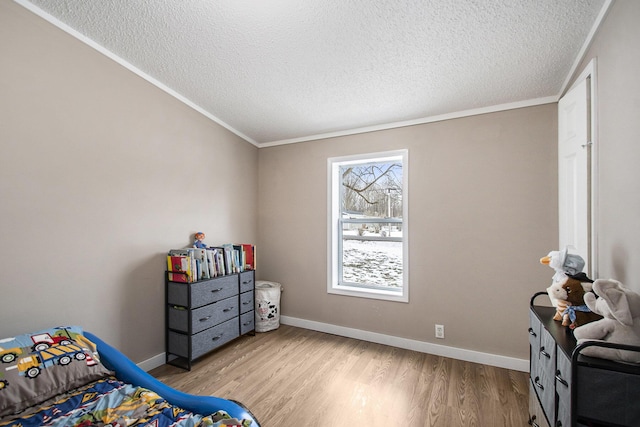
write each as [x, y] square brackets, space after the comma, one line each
[621, 323]
[557, 295]
[571, 308]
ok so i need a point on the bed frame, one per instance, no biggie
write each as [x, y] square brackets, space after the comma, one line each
[127, 371]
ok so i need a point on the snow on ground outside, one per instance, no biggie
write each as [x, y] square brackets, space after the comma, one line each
[362, 260]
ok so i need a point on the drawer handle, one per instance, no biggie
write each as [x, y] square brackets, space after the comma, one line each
[532, 333]
[537, 383]
[216, 338]
[227, 309]
[217, 290]
[247, 302]
[246, 282]
[544, 353]
[204, 319]
[561, 380]
[246, 323]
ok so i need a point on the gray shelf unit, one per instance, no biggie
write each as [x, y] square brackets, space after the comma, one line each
[204, 315]
[568, 388]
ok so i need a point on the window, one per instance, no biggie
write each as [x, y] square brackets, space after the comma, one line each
[368, 254]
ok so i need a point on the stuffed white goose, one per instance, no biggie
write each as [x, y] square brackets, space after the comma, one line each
[563, 263]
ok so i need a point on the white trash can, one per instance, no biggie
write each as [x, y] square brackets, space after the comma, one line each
[267, 305]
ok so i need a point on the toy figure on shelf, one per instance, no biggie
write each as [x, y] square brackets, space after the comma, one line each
[568, 287]
[571, 308]
[564, 264]
[199, 241]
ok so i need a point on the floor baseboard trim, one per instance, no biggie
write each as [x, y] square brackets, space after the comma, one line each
[408, 344]
[153, 362]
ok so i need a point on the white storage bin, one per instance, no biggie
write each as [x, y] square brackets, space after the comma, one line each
[267, 305]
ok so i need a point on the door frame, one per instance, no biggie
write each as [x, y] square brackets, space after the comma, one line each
[590, 72]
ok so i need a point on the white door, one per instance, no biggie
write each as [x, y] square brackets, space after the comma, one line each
[574, 171]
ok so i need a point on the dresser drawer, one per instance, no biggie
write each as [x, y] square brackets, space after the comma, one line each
[203, 317]
[203, 342]
[564, 414]
[563, 379]
[247, 322]
[547, 352]
[178, 344]
[246, 281]
[246, 302]
[543, 387]
[534, 331]
[214, 337]
[536, 414]
[202, 293]
[214, 290]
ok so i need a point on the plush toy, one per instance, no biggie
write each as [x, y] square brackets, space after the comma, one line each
[571, 307]
[621, 323]
[564, 264]
[568, 298]
[557, 295]
[198, 242]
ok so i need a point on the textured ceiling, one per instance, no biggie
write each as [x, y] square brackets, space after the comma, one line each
[288, 70]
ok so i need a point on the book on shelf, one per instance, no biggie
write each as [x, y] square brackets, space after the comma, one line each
[238, 258]
[219, 260]
[179, 266]
[193, 264]
[202, 265]
[229, 258]
[255, 257]
[237, 262]
[210, 253]
[249, 256]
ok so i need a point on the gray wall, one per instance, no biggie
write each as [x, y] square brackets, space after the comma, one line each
[617, 52]
[482, 211]
[100, 174]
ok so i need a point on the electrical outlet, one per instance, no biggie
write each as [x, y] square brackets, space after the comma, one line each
[439, 331]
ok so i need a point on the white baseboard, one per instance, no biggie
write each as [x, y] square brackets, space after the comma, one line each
[408, 344]
[421, 346]
[154, 362]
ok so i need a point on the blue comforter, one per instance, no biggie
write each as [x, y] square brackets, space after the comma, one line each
[110, 402]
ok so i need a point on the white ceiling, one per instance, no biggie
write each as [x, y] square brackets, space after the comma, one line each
[283, 71]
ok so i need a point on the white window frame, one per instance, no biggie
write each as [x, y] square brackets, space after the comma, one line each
[333, 217]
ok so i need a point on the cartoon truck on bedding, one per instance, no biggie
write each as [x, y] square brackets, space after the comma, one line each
[40, 342]
[10, 354]
[44, 341]
[31, 365]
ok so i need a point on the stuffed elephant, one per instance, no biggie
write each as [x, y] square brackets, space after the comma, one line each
[620, 308]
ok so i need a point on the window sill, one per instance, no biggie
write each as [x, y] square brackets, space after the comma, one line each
[357, 292]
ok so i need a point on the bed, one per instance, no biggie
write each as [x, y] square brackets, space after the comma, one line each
[67, 377]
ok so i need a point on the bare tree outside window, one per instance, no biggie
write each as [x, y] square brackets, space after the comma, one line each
[368, 225]
[371, 238]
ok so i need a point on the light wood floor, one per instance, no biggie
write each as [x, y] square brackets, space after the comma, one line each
[296, 377]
